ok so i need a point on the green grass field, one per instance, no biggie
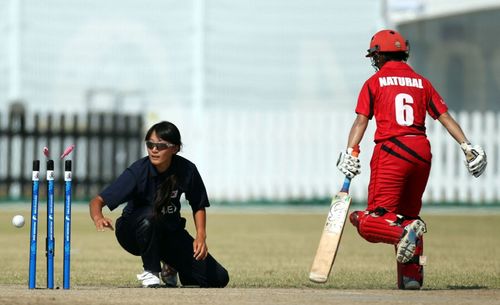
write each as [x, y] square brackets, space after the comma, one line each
[267, 251]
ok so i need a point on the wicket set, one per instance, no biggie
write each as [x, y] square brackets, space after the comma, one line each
[50, 240]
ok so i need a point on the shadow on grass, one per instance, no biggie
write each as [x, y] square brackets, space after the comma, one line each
[464, 287]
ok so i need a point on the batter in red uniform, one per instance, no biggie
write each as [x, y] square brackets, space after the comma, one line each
[399, 99]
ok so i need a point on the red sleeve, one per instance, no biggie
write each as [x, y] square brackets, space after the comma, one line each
[435, 104]
[365, 101]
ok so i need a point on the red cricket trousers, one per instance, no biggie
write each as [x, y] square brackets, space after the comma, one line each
[400, 169]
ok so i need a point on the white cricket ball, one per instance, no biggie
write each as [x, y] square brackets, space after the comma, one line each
[18, 221]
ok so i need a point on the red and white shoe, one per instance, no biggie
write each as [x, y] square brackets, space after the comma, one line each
[406, 247]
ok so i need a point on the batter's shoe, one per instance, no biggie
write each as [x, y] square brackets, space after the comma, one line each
[410, 284]
[149, 279]
[168, 275]
[408, 243]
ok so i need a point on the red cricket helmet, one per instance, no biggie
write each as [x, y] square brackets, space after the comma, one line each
[388, 41]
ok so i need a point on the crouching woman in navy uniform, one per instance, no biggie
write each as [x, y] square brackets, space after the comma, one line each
[151, 225]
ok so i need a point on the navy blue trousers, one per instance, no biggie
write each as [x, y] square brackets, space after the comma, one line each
[141, 236]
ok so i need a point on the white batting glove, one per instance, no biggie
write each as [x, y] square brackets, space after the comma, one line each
[475, 159]
[348, 164]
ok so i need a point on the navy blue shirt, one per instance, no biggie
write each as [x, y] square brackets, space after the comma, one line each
[137, 186]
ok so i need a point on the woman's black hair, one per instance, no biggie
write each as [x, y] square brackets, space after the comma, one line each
[166, 131]
[378, 59]
[396, 56]
[170, 133]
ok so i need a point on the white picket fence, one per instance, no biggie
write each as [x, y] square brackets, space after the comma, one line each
[281, 155]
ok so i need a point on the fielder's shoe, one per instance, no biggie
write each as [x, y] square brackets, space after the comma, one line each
[408, 243]
[168, 275]
[149, 279]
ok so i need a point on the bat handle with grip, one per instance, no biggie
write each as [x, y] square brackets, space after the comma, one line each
[347, 180]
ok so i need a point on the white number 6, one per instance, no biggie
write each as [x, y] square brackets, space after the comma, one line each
[404, 111]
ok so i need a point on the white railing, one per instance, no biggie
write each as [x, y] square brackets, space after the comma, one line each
[449, 180]
[270, 155]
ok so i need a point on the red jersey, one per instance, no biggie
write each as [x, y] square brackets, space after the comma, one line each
[399, 98]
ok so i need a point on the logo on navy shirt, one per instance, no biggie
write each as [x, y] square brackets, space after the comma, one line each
[170, 208]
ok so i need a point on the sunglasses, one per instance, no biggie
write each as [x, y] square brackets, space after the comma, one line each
[159, 146]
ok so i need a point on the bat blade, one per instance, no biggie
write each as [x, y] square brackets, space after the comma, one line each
[332, 231]
[330, 238]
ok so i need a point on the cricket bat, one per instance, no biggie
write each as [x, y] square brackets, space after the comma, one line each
[332, 232]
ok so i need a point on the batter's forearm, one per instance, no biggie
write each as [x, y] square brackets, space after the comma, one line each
[357, 131]
[453, 128]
